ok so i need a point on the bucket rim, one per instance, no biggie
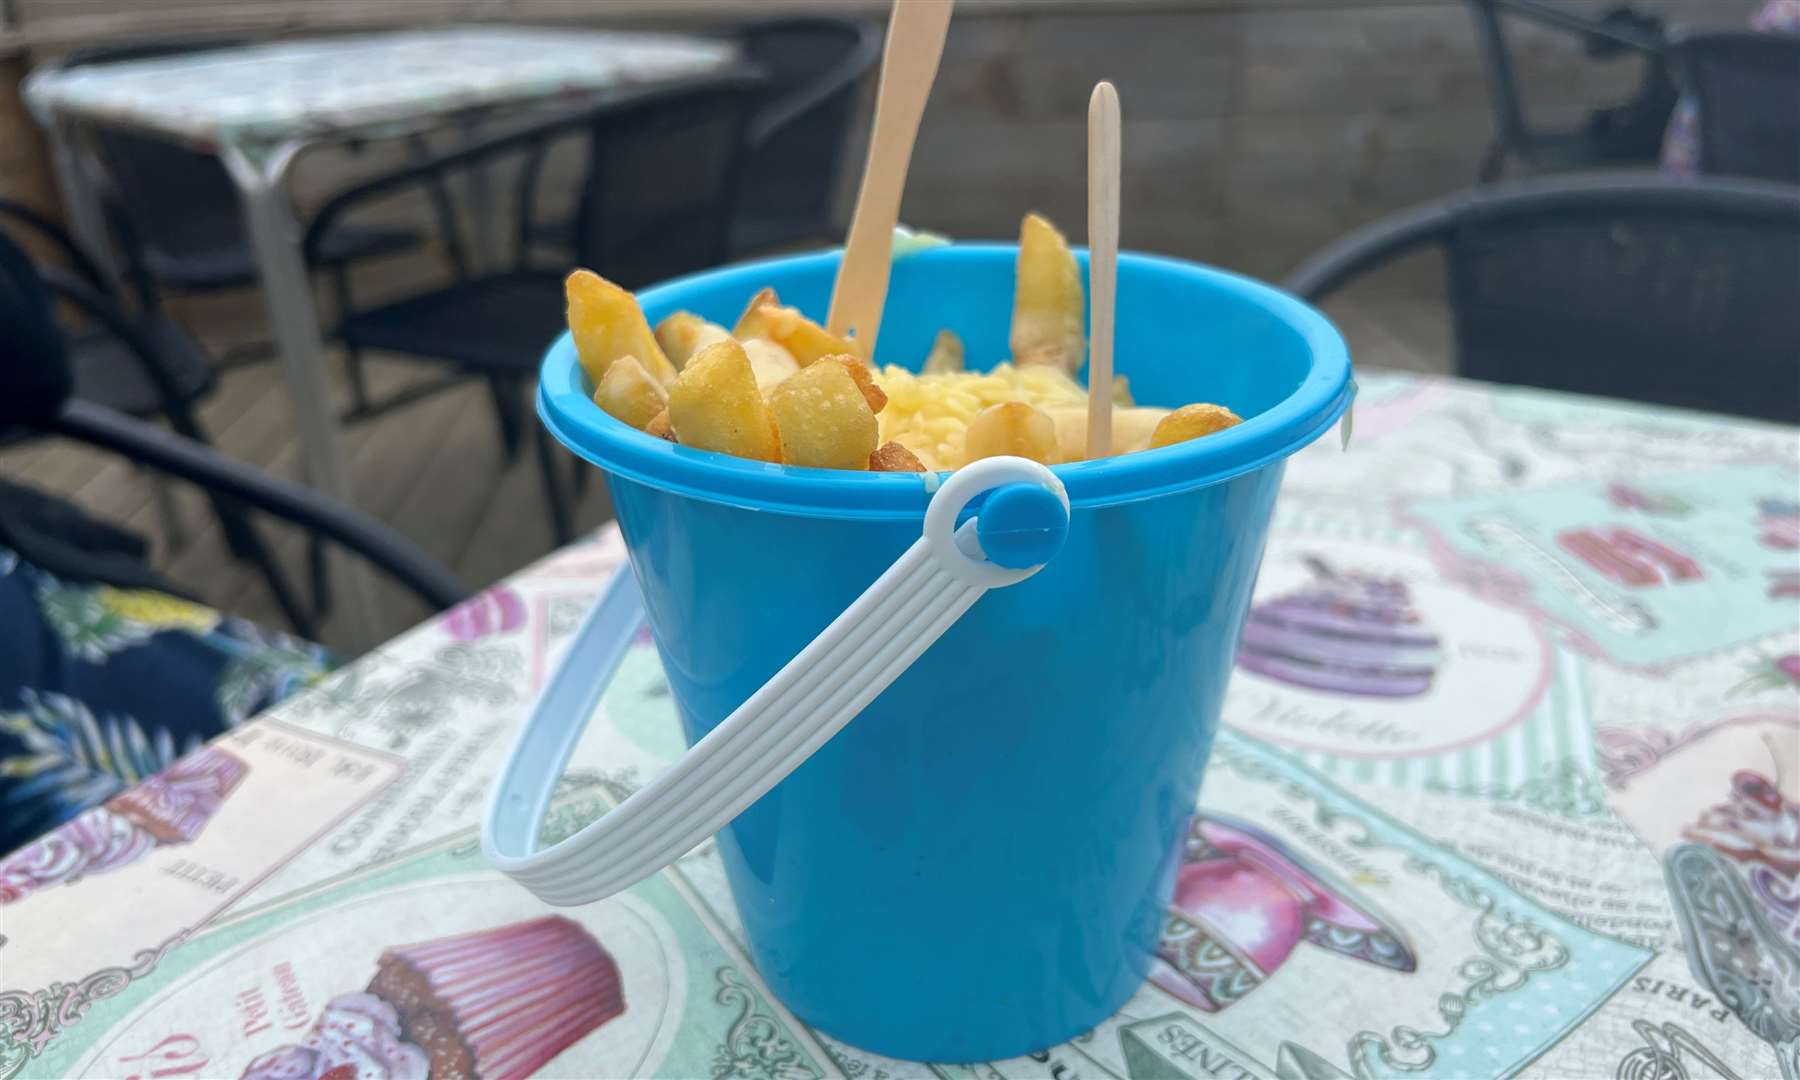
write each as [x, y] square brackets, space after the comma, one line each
[567, 409]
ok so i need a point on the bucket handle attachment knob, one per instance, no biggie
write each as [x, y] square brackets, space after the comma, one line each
[784, 722]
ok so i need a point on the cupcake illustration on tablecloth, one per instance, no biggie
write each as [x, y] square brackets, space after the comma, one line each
[171, 807]
[176, 804]
[1758, 829]
[1243, 902]
[490, 1005]
[1734, 882]
[491, 611]
[1344, 633]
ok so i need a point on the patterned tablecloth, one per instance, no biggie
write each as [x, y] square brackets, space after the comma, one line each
[263, 95]
[1553, 772]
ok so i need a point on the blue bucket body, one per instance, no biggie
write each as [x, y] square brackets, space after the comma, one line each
[976, 867]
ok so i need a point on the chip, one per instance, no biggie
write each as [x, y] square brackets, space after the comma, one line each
[1130, 431]
[750, 323]
[1191, 422]
[946, 354]
[660, 427]
[1012, 428]
[796, 333]
[770, 362]
[1049, 306]
[628, 392]
[892, 457]
[865, 381]
[607, 323]
[715, 405]
[684, 333]
[824, 420]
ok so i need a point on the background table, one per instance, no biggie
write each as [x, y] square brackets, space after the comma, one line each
[1565, 816]
[258, 107]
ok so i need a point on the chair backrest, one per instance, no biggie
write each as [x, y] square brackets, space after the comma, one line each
[1632, 286]
[815, 65]
[1746, 87]
[1629, 131]
[174, 201]
[662, 180]
[17, 215]
[35, 378]
[1503, 88]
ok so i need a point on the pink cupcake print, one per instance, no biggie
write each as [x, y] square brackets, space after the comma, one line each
[172, 807]
[490, 1005]
[1759, 830]
[491, 611]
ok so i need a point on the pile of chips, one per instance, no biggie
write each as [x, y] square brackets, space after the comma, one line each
[779, 387]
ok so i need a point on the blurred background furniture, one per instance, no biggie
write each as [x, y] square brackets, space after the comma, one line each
[797, 138]
[139, 363]
[663, 167]
[1614, 135]
[175, 214]
[296, 504]
[1628, 285]
[108, 673]
[1746, 92]
[174, 211]
[41, 388]
[258, 107]
[813, 68]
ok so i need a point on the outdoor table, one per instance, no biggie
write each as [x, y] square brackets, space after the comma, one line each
[259, 106]
[1507, 785]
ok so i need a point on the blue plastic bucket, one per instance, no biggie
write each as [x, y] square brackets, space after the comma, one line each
[977, 865]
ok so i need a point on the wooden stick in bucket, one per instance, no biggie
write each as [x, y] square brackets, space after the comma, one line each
[909, 63]
[1103, 262]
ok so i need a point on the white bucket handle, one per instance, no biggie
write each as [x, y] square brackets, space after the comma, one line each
[782, 724]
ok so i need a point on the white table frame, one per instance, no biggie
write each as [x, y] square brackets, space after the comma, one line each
[275, 231]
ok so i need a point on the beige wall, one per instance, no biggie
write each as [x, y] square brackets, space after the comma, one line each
[24, 172]
[1255, 129]
[1253, 132]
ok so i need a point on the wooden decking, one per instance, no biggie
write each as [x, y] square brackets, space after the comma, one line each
[435, 470]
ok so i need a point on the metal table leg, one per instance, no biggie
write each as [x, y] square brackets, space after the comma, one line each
[87, 221]
[287, 292]
[483, 213]
[87, 217]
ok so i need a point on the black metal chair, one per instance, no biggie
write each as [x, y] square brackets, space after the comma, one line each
[109, 370]
[796, 139]
[1746, 88]
[794, 144]
[175, 212]
[1628, 133]
[143, 365]
[1629, 285]
[298, 505]
[40, 393]
[663, 165]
